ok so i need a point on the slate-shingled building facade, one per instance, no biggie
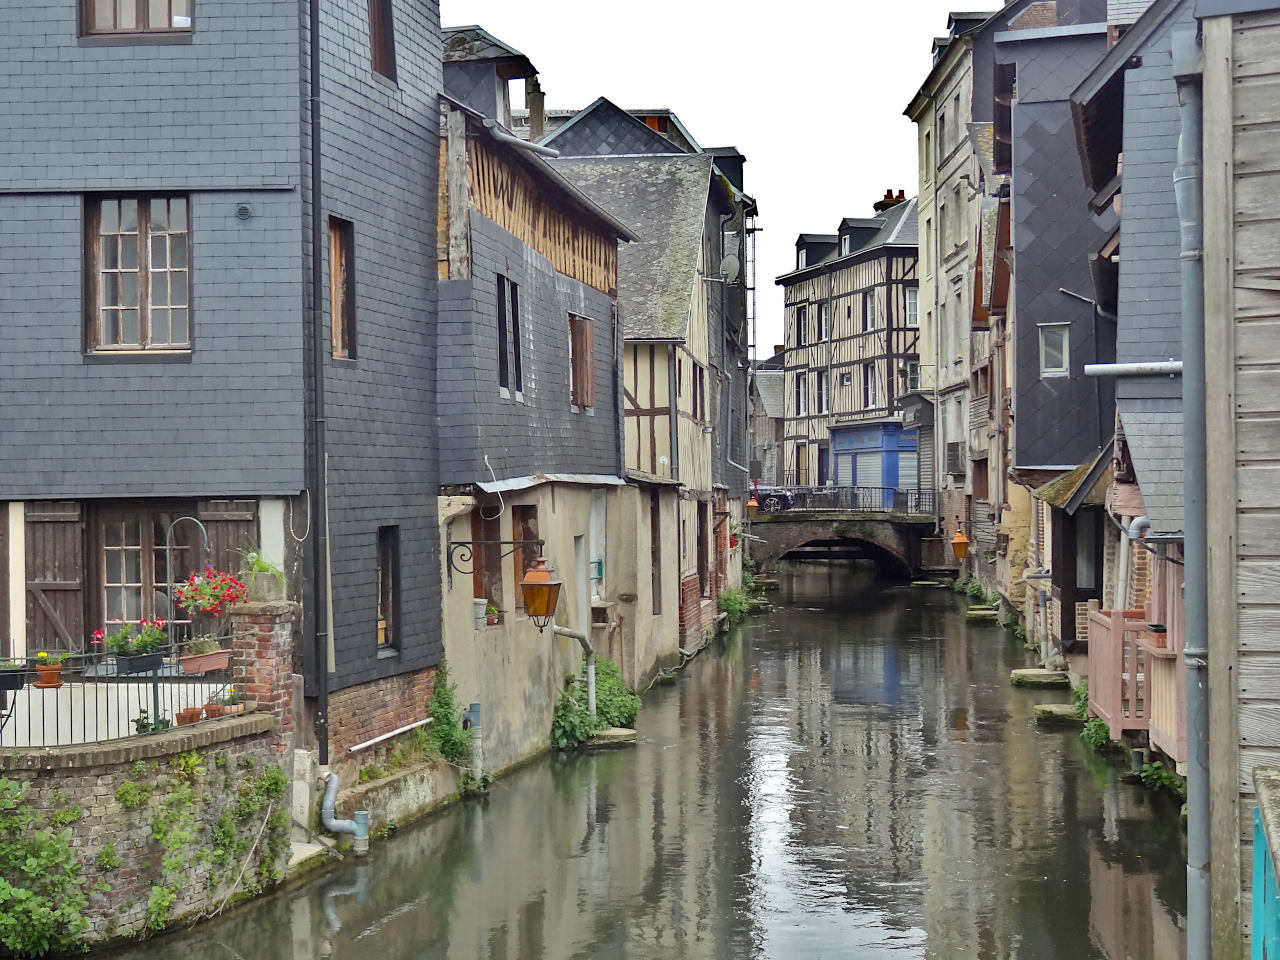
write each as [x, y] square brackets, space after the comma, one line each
[156, 291]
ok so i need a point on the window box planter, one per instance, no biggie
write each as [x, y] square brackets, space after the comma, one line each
[48, 676]
[142, 663]
[189, 715]
[198, 664]
[13, 679]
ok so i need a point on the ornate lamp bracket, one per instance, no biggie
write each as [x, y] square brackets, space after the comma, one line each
[462, 552]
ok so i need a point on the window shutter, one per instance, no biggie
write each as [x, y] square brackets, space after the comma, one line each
[55, 576]
[588, 363]
[232, 527]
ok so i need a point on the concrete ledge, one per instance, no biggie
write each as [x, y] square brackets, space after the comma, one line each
[613, 737]
[1039, 679]
[145, 747]
[404, 796]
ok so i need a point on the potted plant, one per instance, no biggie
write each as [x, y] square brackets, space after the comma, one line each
[189, 715]
[140, 652]
[491, 615]
[202, 655]
[223, 704]
[211, 592]
[49, 670]
[265, 580]
[1159, 635]
[13, 674]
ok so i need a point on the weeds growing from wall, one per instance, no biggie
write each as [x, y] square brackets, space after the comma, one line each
[734, 603]
[616, 706]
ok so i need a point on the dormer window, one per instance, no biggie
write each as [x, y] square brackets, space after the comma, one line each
[846, 245]
[802, 258]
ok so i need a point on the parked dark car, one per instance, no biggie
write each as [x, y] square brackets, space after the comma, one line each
[774, 499]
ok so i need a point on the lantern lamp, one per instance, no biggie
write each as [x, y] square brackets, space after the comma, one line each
[753, 506]
[960, 545]
[541, 594]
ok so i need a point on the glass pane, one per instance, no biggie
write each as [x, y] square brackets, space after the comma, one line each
[128, 14]
[110, 253]
[102, 15]
[159, 16]
[109, 333]
[110, 289]
[178, 214]
[178, 250]
[132, 532]
[115, 566]
[178, 288]
[112, 535]
[160, 289]
[179, 321]
[133, 604]
[159, 328]
[128, 215]
[129, 252]
[1052, 347]
[110, 216]
[128, 289]
[115, 604]
[129, 327]
[133, 566]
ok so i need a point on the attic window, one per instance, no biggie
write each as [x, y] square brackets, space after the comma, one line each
[846, 245]
[801, 259]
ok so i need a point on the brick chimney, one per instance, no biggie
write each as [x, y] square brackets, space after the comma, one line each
[889, 200]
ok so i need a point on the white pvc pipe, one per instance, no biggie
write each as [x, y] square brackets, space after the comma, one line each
[1171, 367]
[387, 736]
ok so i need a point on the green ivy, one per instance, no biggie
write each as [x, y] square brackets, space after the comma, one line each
[445, 735]
[42, 891]
[1156, 776]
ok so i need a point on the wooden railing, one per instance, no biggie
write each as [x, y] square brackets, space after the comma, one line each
[1118, 669]
[1166, 693]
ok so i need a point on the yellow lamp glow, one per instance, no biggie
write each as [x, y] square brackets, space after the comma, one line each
[541, 594]
[960, 545]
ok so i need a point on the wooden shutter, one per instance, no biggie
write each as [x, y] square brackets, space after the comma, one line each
[233, 528]
[55, 576]
[588, 363]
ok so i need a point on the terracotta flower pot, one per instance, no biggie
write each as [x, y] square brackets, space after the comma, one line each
[212, 711]
[198, 664]
[48, 676]
[189, 715]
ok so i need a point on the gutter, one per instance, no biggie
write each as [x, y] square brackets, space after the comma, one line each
[1172, 368]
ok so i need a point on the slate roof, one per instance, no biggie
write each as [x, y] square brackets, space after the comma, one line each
[899, 227]
[663, 199]
[472, 43]
[770, 384]
[1153, 430]
[605, 129]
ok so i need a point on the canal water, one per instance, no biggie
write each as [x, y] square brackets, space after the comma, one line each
[851, 776]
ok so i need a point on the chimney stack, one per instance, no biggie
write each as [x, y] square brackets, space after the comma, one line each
[889, 200]
[534, 100]
[778, 348]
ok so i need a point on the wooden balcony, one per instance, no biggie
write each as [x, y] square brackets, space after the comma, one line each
[1118, 669]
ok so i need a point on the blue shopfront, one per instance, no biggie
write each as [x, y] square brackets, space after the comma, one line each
[875, 455]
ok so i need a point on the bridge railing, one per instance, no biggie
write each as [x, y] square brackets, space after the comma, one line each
[868, 499]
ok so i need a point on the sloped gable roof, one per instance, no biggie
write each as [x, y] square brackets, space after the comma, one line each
[604, 129]
[663, 199]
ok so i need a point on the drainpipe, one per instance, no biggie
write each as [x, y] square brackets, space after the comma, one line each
[1188, 191]
[357, 826]
[316, 485]
[537, 149]
[585, 642]
[477, 741]
[1120, 599]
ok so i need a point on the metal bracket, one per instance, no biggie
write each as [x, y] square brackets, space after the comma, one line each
[459, 552]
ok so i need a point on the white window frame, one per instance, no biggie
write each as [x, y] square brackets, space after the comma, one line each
[1064, 370]
[846, 245]
[802, 322]
[802, 257]
[912, 307]
[802, 395]
[913, 375]
[821, 392]
[869, 318]
[869, 385]
[824, 320]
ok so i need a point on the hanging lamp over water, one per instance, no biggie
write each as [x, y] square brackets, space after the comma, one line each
[541, 594]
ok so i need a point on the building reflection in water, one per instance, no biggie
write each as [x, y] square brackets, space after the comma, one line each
[847, 778]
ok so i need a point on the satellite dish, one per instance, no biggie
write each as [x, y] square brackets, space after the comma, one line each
[730, 268]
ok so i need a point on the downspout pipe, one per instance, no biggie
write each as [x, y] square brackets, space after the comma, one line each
[1188, 185]
[585, 642]
[496, 131]
[357, 826]
[318, 503]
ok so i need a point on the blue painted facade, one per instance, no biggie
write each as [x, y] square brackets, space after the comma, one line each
[887, 439]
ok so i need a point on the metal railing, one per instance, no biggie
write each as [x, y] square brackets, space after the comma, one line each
[864, 499]
[99, 697]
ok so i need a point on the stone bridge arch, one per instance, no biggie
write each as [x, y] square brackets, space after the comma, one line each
[894, 545]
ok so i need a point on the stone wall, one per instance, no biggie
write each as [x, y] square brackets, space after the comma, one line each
[194, 798]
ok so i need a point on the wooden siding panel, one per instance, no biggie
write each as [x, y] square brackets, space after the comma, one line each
[233, 529]
[511, 198]
[55, 576]
[1258, 391]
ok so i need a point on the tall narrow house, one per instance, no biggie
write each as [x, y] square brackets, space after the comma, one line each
[210, 321]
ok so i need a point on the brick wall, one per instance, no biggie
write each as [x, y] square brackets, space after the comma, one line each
[233, 754]
[263, 657]
[360, 713]
[697, 613]
[1139, 578]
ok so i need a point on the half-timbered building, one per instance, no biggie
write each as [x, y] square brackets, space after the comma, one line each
[682, 304]
[852, 350]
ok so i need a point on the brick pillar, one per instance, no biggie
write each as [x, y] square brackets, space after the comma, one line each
[262, 661]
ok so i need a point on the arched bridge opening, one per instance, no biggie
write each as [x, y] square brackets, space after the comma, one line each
[894, 545]
[849, 548]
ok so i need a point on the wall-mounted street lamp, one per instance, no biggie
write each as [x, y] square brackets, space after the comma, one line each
[753, 506]
[960, 545]
[459, 552]
[541, 594]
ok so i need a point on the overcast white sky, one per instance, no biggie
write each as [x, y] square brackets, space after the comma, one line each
[812, 93]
